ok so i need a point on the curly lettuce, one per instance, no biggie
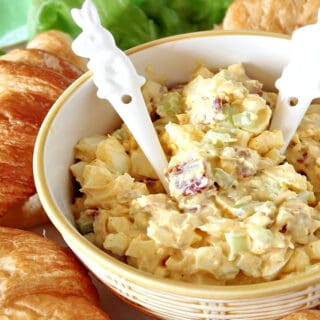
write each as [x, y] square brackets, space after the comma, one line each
[131, 22]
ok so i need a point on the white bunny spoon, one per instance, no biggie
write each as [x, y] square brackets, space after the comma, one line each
[118, 82]
[299, 83]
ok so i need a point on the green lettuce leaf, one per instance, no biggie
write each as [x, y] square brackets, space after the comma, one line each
[131, 22]
[180, 16]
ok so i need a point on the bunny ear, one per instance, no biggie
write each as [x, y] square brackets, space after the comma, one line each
[92, 15]
[86, 16]
[77, 17]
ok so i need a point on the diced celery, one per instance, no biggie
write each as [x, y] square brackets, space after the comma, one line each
[224, 179]
[225, 199]
[85, 224]
[90, 236]
[237, 241]
[243, 200]
[228, 121]
[170, 105]
[244, 210]
[225, 73]
[119, 134]
[262, 237]
[218, 138]
[244, 119]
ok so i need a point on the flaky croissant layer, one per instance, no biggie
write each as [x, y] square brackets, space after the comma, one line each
[283, 16]
[31, 80]
[41, 280]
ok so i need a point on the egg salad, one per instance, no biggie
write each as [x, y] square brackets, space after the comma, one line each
[237, 212]
[304, 150]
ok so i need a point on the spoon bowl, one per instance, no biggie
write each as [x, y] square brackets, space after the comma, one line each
[299, 83]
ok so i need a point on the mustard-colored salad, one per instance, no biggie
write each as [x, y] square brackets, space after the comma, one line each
[237, 211]
[304, 149]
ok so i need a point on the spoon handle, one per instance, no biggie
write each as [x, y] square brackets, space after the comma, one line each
[131, 108]
[287, 117]
[117, 81]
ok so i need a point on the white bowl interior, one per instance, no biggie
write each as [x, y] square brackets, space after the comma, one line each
[80, 113]
[263, 56]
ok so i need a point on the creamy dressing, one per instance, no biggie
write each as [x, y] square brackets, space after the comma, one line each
[235, 211]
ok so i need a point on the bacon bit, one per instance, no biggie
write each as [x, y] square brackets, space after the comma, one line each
[292, 143]
[244, 154]
[216, 185]
[176, 169]
[258, 91]
[243, 171]
[91, 212]
[217, 104]
[304, 156]
[189, 186]
[192, 210]
[177, 87]
[283, 229]
[195, 185]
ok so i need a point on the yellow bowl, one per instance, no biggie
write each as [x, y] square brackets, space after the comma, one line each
[80, 113]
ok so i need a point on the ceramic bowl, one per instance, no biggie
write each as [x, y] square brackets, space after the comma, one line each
[79, 113]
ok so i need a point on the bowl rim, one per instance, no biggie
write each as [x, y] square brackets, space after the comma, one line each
[134, 275]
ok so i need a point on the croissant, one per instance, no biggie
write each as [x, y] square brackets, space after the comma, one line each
[41, 280]
[44, 59]
[304, 315]
[58, 43]
[31, 80]
[281, 16]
